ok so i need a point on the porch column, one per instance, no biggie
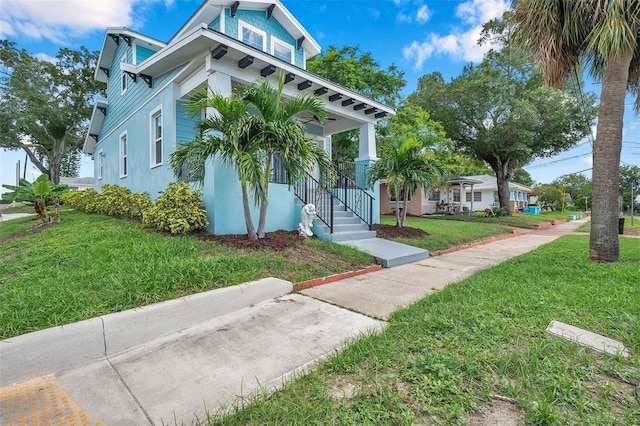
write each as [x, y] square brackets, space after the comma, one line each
[472, 210]
[220, 83]
[366, 158]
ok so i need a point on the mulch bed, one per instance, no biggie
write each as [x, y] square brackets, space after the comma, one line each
[276, 241]
[389, 232]
[282, 240]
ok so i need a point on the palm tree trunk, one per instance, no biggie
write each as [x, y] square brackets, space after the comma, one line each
[603, 244]
[251, 231]
[264, 202]
[404, 207]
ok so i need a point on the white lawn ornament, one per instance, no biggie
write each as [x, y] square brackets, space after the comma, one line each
[306, 220]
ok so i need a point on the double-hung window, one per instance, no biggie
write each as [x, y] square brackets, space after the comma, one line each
[124, 148]
[100, 164]
[281, 50]
[252, 36]
[477, 196]
[123, 79]
[156, 137]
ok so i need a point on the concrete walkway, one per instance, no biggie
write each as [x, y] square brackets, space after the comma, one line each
[178, 360]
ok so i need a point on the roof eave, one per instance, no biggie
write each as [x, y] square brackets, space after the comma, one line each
[95, 126]
[203, 38]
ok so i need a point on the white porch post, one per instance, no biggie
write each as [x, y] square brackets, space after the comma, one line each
[472, 210]
[366, 158]
[219, 83]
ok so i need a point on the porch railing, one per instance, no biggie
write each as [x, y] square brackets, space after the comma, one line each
[345, 193]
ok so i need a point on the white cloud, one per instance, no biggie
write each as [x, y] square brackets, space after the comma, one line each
[459, 46]
[423, 14]
[59, 20]
[45, 57]
[462, 42]
[477, 12]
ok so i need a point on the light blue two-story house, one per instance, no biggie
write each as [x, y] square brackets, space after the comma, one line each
[226, 43]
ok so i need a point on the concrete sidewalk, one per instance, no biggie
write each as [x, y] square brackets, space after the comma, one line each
[176, 360]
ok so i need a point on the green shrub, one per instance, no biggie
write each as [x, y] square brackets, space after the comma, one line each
[177, 210]
[114, 200]
[138, 203]
[500, 211]
[82, 200]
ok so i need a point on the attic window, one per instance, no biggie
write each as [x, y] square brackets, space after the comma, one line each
[281, 50]
[252, 36]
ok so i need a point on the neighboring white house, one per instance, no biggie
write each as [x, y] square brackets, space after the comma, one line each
[77, 184]
[466, 193]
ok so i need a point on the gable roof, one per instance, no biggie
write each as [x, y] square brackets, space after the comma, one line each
[488, 183]
[110, 43]
[211, 9]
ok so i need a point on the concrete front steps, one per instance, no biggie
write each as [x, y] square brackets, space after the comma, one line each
[348, 229]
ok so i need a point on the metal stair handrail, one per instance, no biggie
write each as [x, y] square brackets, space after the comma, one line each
[345, 190]
[355, 198]
[312, 191]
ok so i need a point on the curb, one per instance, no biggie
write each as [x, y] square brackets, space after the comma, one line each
[58, 348]
[514, 233]
[332, 278]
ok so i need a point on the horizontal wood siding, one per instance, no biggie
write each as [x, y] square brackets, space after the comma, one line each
[185, 124]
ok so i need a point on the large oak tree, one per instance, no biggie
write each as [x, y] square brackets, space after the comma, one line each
[499, 113]
[45, 106]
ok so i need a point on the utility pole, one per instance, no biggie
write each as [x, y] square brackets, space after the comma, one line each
[632, 207]
[586, 203]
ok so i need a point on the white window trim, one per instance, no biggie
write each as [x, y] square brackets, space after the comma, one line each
[124, 84]
[123, 173]
[100, 164]
[152, 141]
[242, 24]
[275, 40]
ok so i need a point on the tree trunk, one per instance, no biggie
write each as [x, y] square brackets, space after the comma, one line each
[405, 198]
[251, 231]
[264, 202]
[603, 244]
[503, 175]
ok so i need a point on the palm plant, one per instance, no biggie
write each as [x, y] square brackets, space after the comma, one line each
[228, 135]
[406, 165]
[565, 35]
[279, 132]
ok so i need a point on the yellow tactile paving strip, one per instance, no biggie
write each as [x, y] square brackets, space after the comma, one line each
[41, 402]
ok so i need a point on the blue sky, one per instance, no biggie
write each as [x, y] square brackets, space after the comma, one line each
[418, 36]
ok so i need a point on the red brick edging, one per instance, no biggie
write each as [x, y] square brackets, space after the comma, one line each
[336, 277]
[515, 233]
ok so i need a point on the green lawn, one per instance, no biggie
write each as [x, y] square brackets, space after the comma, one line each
[443, 234]
[481, 342]
[90, 265]
[629, 228]
[518, 220]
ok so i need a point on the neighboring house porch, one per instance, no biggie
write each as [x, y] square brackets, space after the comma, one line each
[462, 194]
